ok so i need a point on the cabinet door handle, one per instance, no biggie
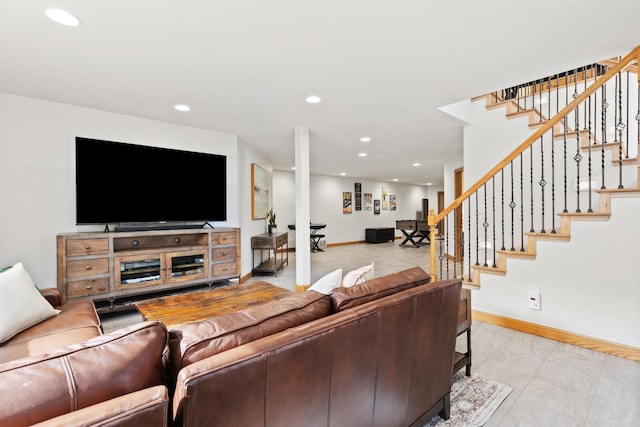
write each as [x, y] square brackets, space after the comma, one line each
[224, 253]
[89, 287]
[176, 240]
[87, 247]
[88, 267]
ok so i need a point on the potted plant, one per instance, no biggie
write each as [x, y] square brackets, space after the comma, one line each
[271, 218]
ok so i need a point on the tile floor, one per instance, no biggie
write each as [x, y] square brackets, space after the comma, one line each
[554, 384]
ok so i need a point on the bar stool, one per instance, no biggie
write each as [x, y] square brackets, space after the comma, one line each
[315, 240]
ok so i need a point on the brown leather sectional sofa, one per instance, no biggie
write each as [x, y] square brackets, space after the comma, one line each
[377, 354]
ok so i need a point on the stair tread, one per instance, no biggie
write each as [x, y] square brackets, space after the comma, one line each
[549, 236]
[586, 215]
[619, 191]
[491, 270]
[517, 253]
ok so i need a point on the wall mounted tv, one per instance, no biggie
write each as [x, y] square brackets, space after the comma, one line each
[125, 183]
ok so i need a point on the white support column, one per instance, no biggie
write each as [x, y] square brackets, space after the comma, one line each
[303, 252]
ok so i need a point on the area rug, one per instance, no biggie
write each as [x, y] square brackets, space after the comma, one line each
[473, 400]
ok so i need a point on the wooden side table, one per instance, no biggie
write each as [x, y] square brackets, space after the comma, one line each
[276, 242]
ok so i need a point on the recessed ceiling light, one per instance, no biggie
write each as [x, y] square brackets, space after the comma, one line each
[343, 173]
[362, 154]
[416, 164]
[314, 99]
[365, 139]
[293, 168]
[182, 107]
[395, 179]
[429, 183]
[62, 17]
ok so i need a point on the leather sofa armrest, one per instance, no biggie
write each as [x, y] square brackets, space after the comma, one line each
[147, 407]
[52, 295]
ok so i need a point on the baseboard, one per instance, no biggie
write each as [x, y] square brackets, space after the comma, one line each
[620, 350]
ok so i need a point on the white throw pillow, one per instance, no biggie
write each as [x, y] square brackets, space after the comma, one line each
[359, 275]
[21, 305]
[328, 282]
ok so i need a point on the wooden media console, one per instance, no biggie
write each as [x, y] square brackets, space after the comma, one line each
[111, 266]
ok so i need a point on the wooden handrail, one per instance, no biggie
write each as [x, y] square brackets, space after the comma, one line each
[634, 54]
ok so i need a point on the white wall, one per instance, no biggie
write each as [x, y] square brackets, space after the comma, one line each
[589, 285]
[326, 205]
[250, 227]
[37, 172]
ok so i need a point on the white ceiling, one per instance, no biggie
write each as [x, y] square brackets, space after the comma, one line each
[245, 67]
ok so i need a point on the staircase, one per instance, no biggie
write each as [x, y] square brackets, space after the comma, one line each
[582, 152]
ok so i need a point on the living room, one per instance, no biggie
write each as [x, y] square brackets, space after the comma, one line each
[38, 131]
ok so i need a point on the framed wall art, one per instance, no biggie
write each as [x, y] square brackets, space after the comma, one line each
[376, 207]
[259, 192]
[367, 201]
[346, 202]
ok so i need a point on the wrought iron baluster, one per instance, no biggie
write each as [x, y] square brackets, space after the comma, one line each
[455, 240]
[564, 123]
[493, 224]
[542, 181]
[578, 156]
[564, 145]
[553, 168]
[512, 205]
[603, 125]
[638, 121]
[502, 206]
[620, 128]
[446, 226]
[521, 206]
[589, 153]
[440, 244]
[469, 238]
[460, 246]
[531, 185]
[627, 122]
[477, 232]
[584, 76]
[485, 225]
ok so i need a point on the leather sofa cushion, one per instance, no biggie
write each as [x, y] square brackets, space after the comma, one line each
[343, 298]
[198, 340]
[76, 322]
[35, 389]
[148, 408]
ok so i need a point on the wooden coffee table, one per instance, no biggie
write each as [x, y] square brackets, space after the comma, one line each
[199, 305]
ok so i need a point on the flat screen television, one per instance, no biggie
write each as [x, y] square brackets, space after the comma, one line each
[126, 183]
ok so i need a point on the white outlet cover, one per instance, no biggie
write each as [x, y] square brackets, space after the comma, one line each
[534, 300]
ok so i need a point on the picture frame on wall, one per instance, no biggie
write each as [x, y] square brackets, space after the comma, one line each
[392, 202]
[376, 207]
[346, 202]
[367, 201]
[385, 199]
[358, 194]
[259, 192]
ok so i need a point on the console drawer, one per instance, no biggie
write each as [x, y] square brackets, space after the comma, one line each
[82, 288]
[82, 247]
[224, 269]
[224, 238]
[224, 254]
[87, 267]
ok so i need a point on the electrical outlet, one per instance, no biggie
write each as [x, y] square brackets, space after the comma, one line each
[534, 300]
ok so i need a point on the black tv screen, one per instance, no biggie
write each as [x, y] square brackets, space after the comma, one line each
[126, 183]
